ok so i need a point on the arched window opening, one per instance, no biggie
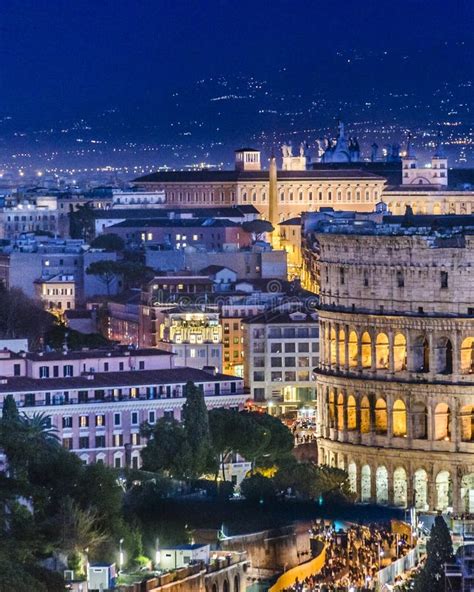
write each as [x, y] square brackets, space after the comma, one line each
[420, 488]
[420, 421]
[353, 350]
[421, 354]
[352, 474]
[366, 351]
[443, 490]
[399, 419]
[332, 409]
[467, 356]
[381, 417]
[365, 484]
[351, 413]
[444, 356]
[467, 493]
[382, 352]
[400, 488]
[381, 485]
[399, 352]
[467, 423]
[332, 346]
[442, 422]
[342, 348]
[340, 411]
[364, 415]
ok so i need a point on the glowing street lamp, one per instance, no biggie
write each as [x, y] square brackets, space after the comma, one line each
[121, 557]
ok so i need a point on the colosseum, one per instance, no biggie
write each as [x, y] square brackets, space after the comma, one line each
[396, 376]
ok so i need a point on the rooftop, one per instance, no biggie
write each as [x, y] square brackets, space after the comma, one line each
[103, 380]
[277, 317]
[176, 223]
[438, 226]
[212, 212]
[206, 176]
[84, 354]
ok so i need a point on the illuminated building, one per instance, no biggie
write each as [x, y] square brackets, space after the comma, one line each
[281, 350]
[395, 382]
[57, 293]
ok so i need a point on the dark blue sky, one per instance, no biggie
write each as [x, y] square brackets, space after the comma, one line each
[70, 57]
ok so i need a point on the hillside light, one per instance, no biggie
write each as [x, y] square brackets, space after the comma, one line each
[121, 556]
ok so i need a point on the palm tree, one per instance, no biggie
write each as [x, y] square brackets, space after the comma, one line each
[38, 428]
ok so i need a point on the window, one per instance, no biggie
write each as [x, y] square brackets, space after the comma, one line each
[141, 365]
[67, 422]
[290, 376]
[276, 376]
[290, 361]
[444, 279]
[118, 440]
[303, 347]
[121, 366]
[151, 416]
[82, 396]
[100, 421]
[259, 376]
[400, 279]
[68, 370]
[117, 462]
[135, 439]
[17, 369]
[67, 443]
[289, 348]
[276, 348]
[44, 372]
[276, 362]
[117, 419]
[134, 417]
[84, 442]
[100, 441]
[341, 275]
[259, 394]
[83, 421]
[106, 366]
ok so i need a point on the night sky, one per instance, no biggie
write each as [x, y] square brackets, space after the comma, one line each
[145, 74]
[70, 56]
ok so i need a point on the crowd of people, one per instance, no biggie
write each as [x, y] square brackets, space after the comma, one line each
[303, 430]
[352, 556]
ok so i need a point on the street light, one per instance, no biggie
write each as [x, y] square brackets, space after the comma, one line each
[121, 556]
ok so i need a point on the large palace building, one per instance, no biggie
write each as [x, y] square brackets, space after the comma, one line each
[294, 191]
[396, 376]
[339, 179]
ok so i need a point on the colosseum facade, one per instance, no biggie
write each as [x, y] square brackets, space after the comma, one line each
[396, 377]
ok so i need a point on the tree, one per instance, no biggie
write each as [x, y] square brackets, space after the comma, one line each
[77, 531]
[257, 488]
[266, 439]
[109, 242]
[257, 228]
[105, 270]
[167, 449]
[81, 222]
[135, 273]
[196, 426]
[439, 550]
[226, 429]
[22, 317]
